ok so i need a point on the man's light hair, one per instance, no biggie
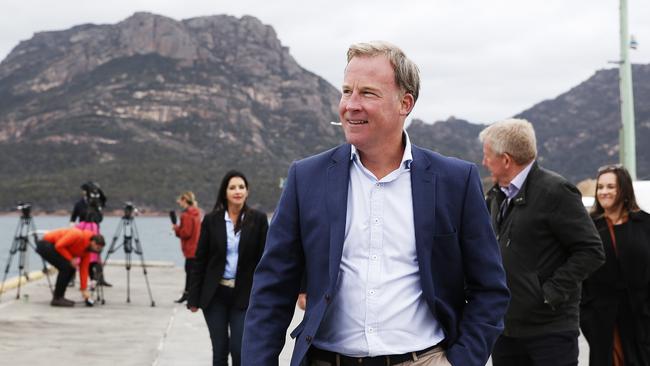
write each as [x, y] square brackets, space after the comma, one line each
[407, 74]
[516, 137]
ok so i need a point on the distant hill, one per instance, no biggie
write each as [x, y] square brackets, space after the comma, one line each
[576, 132]
[151, 106]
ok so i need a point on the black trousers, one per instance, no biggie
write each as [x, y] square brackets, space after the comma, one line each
[224, 319]
[189, 264]
[66, 270]
[553, 349]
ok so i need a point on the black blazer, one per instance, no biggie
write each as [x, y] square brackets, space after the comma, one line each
[549, 246]
[211, 258]
[618, 294]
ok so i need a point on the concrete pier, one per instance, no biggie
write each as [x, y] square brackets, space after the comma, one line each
[118, 333]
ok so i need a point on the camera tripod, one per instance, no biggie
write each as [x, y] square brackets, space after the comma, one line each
[130, 243]
[20, 244]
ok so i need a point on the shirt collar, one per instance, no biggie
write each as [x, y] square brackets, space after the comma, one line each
[407, 157]
[517, 182]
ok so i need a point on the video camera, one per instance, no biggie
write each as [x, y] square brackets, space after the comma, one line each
[129, 209]
[96, 201]
[24, 207]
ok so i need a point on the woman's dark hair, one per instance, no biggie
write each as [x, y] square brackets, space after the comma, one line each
[625, 194]
[222, 201]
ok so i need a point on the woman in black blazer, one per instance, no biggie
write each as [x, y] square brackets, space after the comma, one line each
[230, 246]
[615, 308]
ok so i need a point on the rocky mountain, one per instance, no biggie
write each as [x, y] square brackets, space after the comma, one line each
[152, 106]
[577, 132]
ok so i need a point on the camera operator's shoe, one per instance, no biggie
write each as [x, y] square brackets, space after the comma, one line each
[62, 302]
[182, 299]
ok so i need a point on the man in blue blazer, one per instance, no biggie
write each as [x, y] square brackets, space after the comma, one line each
[393, 243]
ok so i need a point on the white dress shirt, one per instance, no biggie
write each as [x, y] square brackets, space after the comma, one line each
[379, 308]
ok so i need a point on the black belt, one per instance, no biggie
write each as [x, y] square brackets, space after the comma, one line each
[387, 360]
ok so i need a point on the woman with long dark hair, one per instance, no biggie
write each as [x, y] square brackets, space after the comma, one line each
[230, 246]
[615, 307]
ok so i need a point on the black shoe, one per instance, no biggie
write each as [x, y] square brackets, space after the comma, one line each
[104, 283]
[182, 299]
[62, 302]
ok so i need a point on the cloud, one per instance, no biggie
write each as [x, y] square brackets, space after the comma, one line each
[479, 60]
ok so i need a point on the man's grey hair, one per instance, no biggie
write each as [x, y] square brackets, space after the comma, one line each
[407, 74]
[516, 137]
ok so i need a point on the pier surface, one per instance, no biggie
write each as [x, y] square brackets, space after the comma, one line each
[117, 333]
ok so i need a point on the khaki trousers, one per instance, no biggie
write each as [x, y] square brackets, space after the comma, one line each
[435, 357]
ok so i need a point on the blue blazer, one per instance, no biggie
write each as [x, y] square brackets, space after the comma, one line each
[462, 278]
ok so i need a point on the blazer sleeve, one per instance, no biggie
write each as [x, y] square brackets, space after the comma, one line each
[486, 292]
[276, 282]
[202, 259]
[572, 226]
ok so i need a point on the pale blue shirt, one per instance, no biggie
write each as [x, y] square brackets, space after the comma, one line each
[232, 251]
[379, 308]
[517, 182]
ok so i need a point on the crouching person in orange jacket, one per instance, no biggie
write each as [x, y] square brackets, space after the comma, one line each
[60, 247]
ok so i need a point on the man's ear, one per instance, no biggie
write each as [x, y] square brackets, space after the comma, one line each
[407, 102]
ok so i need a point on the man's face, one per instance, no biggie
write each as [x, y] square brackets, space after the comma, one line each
[372, 107]
[496, 164]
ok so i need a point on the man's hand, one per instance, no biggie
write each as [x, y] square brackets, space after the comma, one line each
[73, 263]
[302, 301]
[85, 294]
[193, 309]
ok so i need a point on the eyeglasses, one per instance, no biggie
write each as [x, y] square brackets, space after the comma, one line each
[610, 168]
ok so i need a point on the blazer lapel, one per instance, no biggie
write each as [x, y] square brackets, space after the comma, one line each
[423, 192]
[338, 177]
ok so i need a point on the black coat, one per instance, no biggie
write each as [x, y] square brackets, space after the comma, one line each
[211, 258]
[549, 246]
[618, 294]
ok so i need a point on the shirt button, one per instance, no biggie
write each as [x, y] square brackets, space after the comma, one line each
[373, 257]
[371, 330]
[371, 292]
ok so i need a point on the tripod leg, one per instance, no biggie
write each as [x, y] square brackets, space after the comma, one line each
[127, 263]
[140, 252]
[4, 278]
[14, 248]
[144, 271]
[34, 237]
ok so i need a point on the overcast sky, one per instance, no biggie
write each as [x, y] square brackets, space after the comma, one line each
[479, 60]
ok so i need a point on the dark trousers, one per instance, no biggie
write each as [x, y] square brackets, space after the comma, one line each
[553, 349]
[220, 315]
[189, 264]
[66, 270]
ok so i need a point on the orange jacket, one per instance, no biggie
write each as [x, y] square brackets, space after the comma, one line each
[73, 243]
[188, 230]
